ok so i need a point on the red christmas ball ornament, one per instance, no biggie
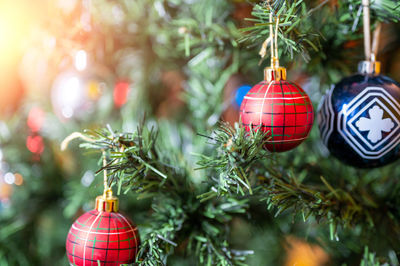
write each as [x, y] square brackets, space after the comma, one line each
[279, 108]
[102, 236]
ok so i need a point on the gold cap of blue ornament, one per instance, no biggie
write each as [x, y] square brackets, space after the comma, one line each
[369, 67]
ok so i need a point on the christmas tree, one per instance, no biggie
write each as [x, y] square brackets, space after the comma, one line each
[140, 100]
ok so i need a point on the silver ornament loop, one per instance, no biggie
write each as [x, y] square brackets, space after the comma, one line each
[369, 67]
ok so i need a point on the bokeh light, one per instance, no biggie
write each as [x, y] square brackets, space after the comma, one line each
[35, 144]
[121, 92]
[19, 180]
[9, 178]
[36, 119]
[80, 60]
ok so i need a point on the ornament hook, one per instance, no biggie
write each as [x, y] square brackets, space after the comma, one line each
[105, 179]
[106, 202]
[274, 72]
[366, 27]
[272, 40]
[370, 65]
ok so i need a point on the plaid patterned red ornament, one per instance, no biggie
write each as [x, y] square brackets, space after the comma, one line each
[102, 237]
[279, 108]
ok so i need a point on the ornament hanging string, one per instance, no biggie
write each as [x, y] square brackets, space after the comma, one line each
[272, 40]
[276, 58]
[370, 54]
[74, 135]
[375, 40]
[106, 188]
[366, 26]
[268, 41]
[271, 37]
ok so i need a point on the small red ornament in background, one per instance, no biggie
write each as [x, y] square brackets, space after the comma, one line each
[105, 237]
[121, 91]
[36, 119]
[35, 144]
[280, 108]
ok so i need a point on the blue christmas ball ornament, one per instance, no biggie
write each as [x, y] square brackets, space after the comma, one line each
[240, 93]
[359, 119]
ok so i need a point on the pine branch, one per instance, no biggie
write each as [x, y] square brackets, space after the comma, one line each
[158, 238]
[298, 32]
[9, 252]
[209, 239]
[199, 229]
[135, 163]
[236, 152]
[206, 24]
[217, 253]
[370, 259]
[295, 33]
[208, 87]
[178, 220]
[235, 156]
[382, 10]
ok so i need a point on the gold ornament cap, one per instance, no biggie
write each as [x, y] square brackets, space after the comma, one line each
[107, 202]
[274, 73]
[369, 67]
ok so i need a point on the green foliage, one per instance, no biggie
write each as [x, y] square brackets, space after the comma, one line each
[300, 34]
[9, 253]
[296, 35]
[204, 86]
[178, 220]
[199, 181]
[370, 259]
[132, 155]
[337, 204]
[157, 237]
[382, 10]
[234, 157]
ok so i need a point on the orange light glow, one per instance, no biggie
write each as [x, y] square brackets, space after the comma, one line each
[19, 180]
[15, 23]
[301, 253]
[17, 19]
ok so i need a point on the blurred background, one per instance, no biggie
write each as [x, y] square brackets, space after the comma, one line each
[66, 66]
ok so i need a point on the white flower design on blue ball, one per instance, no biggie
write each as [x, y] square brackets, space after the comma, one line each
[375, 125]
